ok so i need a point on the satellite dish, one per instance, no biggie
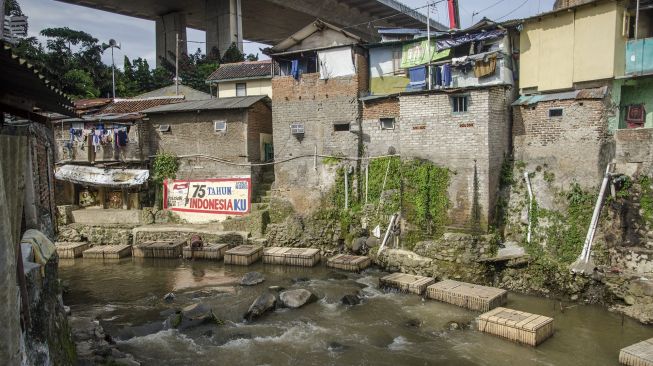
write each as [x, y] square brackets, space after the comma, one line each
[114, 43]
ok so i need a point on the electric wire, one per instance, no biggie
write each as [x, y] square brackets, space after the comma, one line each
[512, 11]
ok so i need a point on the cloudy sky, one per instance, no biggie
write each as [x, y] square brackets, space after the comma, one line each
[137, 35]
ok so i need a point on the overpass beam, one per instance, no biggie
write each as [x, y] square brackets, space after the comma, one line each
[224, 25]
[167, 28]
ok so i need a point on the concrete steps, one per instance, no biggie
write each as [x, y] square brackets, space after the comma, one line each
[149, 233]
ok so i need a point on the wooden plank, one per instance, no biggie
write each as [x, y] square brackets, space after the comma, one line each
[354, 263]
[515, 325]
[406, 282]
[467, 295]
[71, 249]
[108, 252]
[208, 251]
[159, 249]
[243, 255]
[638, 354]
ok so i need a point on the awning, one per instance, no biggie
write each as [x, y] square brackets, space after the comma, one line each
[87, 175]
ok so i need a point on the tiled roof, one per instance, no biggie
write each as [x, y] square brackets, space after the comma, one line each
[242, 70]
[138, 104]
[211, 104]
[170, 91]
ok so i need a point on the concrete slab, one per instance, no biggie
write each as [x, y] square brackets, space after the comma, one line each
[98, 216]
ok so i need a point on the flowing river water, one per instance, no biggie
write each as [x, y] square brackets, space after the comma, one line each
[385, 329]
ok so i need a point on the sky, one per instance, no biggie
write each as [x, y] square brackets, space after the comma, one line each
[136, 36]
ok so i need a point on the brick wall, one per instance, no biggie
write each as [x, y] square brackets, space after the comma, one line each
[193, 133]
[635, 146]
[259, 120]
[318, 104]
[575, 147]
[380, 141]
[430, 130]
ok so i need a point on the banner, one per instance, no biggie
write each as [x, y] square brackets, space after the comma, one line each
[221, 196]
[415, 54]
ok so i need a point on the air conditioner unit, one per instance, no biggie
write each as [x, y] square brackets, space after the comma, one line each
[220, 126]
[297, 128]
[164, 128]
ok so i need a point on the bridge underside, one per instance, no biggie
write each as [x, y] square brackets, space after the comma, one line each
[265, 21]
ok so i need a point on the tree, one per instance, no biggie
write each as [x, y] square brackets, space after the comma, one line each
[232, 54]
[78, 83]
[13, 8]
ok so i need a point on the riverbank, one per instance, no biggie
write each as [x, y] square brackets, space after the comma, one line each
[127, 298]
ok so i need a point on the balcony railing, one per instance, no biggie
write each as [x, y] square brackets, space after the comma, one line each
[639, 56]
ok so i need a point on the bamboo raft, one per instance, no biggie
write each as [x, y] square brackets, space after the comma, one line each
[108, 252]
[303, 257]
[467, 295]
[638, 354]
[515, 325]
[208, 251]
[406, 282]
[243, 255]
[71, 249]
[159, 249]
[354, 263]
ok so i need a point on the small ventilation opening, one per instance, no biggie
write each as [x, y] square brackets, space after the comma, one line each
[387, 123]
[340, 127]
[164, 128]
[555, 112]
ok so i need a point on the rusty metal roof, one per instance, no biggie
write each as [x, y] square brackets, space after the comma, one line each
[88, 175]
[211, 104]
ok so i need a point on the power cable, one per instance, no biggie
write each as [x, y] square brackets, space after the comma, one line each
[512, 11]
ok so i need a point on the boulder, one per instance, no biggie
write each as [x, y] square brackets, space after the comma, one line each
[192, 316]
[336, 347]
[260, 306]
[169, 297]
[358, 245]
[252, 278]
[350, 300]
[297, 298]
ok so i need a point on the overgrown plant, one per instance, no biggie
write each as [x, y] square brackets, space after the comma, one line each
[165, 166]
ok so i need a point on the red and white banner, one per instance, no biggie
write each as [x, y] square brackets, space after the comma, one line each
[222, 196]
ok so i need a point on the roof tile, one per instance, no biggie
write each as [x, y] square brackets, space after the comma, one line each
[240, 70]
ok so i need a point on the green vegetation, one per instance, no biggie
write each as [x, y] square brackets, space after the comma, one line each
[165, 166]
[646, 199]
[416, 188]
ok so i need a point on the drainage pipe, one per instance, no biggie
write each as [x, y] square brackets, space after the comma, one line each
[530, 205]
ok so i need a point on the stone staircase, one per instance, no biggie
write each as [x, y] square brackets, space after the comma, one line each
[263, 189]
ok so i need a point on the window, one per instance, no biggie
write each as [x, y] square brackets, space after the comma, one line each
[555, 112]
[241, 89]
[297, 128]
[220, 126]
[387, 123]
[164, 128]
[340, 127]
[459, 104]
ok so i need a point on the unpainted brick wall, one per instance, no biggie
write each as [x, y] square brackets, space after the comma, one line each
[318, 104]
[380, 141]
[193, 133]
[430, 130]
[575, 147]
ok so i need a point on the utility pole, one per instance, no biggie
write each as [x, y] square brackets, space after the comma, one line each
[112, 44]
[636, 19]
[428, 43]
[177, 64]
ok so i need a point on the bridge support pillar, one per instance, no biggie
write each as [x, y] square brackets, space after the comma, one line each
[167, 28]
[224, 25]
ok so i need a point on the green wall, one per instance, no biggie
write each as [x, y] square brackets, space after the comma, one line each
[636, 91]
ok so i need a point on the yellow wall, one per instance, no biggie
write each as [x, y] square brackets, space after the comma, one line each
[571, 47]
[254, 87]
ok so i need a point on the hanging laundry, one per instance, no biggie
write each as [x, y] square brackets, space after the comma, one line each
[446, 75]
[438, 76]
[294, 69]
[485, 67]
[635, 115]
[417, 76]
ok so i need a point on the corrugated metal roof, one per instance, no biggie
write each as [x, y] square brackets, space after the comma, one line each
[240, 70]
[211, 104]
[595, 93]
[89, 175]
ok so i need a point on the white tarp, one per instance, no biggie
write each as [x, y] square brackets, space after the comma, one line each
[88, 175]
[336, 62]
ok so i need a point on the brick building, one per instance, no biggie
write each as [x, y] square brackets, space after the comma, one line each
[315, 108]
[214, 139]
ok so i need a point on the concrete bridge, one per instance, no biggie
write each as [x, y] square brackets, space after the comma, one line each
[264, 21]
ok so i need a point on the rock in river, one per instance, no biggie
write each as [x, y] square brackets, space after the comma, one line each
[191, 316]
[252, 278]
[260, 306]
[297, 298]
[350, 300]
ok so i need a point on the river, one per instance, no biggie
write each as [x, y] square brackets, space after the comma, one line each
[385, 329]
